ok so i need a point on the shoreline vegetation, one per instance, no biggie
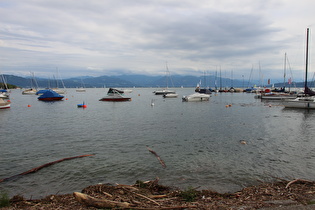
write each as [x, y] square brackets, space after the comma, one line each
[282, 194]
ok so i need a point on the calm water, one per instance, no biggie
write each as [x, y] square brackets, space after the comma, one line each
[199, 142]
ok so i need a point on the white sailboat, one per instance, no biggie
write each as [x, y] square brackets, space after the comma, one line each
[34, 86]
[165, 91]
[308, 100]
[82, 88]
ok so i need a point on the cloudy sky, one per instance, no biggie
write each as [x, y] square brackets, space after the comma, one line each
[112, 37]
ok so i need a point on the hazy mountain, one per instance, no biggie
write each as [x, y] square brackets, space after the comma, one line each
[132, 81]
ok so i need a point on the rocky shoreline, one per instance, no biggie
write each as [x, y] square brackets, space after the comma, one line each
[296, 194]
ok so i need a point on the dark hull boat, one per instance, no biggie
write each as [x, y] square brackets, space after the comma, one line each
[115, 95]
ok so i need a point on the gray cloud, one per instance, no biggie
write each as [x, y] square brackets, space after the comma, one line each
[102, 37]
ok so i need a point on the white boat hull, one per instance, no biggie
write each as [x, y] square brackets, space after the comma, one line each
[170, 95]
[300, 103]
[163, 92]
[196, 97]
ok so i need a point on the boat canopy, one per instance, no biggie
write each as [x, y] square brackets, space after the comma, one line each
[113, 90]
[50, 94]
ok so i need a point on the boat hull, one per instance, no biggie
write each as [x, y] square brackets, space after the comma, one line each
[196, 97]
[170, 95]
[51, 99]
[299, 104]
[163, 92]
[5, 106]
[115, 99]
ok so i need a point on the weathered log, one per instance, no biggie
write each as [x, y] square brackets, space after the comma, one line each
[99, 203]
[157, 156]
[298, 180]
[43, 166]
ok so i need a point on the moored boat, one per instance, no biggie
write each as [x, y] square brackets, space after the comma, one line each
[30, 91]
[115, 95]
[50, 95]
[196, 97]
[4, 104]
[163, 92]
[170, 95]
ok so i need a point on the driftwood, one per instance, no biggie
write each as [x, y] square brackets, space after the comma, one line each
[43, 166]
[298, 180]
[99, 203]
[157, 156]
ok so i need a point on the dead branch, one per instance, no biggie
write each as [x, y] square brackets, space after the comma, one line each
[298, 180]
[43, 166]
[99, 203]
[157, 156]
[142, 196]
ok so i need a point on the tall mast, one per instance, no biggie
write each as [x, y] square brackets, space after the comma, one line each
[306, 61]
[285, 69]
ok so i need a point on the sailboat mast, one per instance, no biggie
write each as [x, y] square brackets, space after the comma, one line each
[285, 68]
[306, 60]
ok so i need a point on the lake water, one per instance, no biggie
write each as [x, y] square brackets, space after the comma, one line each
[198, 141]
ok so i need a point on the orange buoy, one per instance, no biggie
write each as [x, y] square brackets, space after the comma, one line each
[84, 106]
[9, 100]
[66, 98]
[28, 105]
[226, 106]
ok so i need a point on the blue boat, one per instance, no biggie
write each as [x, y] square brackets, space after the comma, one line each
[50, 95]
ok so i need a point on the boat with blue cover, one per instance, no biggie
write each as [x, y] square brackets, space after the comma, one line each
[50, 95]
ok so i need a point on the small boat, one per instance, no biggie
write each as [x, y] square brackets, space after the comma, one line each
[196, 97]
[170, 95]
[83, 105]
[115, 95]
[30, 91]
[163, 92]
[127, 90]
[59, 91]
[4, 95]
[300, 102]
[277, 96]
[50, 95]
[81, 89]
[4, 104]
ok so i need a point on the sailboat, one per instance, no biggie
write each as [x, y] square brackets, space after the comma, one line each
[279, 94]
[204, 90]
[165, 91]
[82, 88]
[308, 100]
[34, 86]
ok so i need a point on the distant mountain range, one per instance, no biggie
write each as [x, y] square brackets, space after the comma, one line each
[131, 81]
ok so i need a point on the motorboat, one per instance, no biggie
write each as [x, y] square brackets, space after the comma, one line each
[4, 95]
[4, 104]
[81, 89]
[170, 95]
[163, 92]
[30, 91]
[50, 95]
[115, 95]
[196, 97]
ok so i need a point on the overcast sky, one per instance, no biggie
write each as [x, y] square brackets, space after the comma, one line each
[107, 37]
